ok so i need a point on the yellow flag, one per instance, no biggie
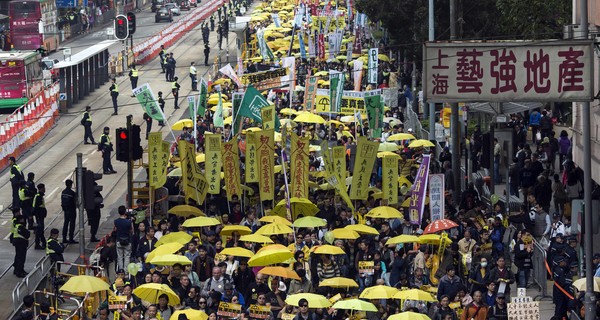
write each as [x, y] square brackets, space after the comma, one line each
[268, 117]
[338, 156]
[332, 177]
[251, 157]
[299, 164]
[231, 168]
[212, 164]
[157, 170]
[366, 153]
[390, 179]
[194, 183]
[265, 164]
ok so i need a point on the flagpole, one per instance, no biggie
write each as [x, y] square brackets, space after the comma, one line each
[194, 121]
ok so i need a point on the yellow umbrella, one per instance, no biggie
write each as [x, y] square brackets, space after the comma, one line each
[274, 228]
[384, 212]
[275, 219]
[343, 233]
[228, 230]
[309, 222]
[190, 314]
[400, 136]
[288, 111]
[383, 57]
[327, 249]
[280, 272]
[421, 143]
[184, 123]
[166, 248]
[228, 120]
[403, 238]
[201, 222]
[346, 133]
[580, 284]
[184, 210]
[237, 252]
[83, 283]
[270, 257]
[221, 81]
[272, 247]
[409, 315]
[170, 259]
[387, 146]
[179, 237]
[432, 239]
[321, 74]
[254, 129]
[309, 117]
[312, 148]
[337, 123]
[213, 101]
[227, 105]
[174, 173]
[378, 292]
[257, 238]
[406, 202]
[314, 300]
[355, 305]
[299, 207]
[338, 282]
[362, 229]
[151, 291]
[387, 154]
[414, 294]
[214, 108]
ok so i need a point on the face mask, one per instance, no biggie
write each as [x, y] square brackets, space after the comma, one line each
[484, 264]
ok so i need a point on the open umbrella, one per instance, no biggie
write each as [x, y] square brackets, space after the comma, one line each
[309, 222]
[387, 146]
[288, 111]
[387, 154]
[299, 207]
[343, 233]
[580, 284]
[384, 212]
[237, 252]
[327, 249]
[378, 292]
[433, 239]
[321, 74]
[272, 247]
[362, 229]
[403, 238]
[179, 237]
[309, 117]
[170, 259]
[174, 173]
[338, 282]
[314, 300]
[83, 283]
[280, 272]
[414, 294]
[228, 230]
[275, 219]
[257, 238]
[270, 257]
[439, 225]
[185, 210]
[409, 315]
[151, 291]
[166, 248]
[274, 228]
[421, 143]
[355, 305]
[190, 314]
[198, 222]
[184, 123]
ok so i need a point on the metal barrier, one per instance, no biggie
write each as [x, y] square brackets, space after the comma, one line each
[30, 283]
[66, 307]
[539, 271]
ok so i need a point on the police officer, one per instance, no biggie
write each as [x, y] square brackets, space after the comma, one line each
[171, 64]
[559, 298]
[161, 103]
[206, 54]
[40, 213]
[55, 249]
[570, 250]
[29, 193]
[148, 120]
[86, 122]
[175, 91]
[68, 202]
[212, 22]
[205, 33]
[133, 77]
[16, 176]
[106, 147]
[19, 237]
[114, 93]
[556, 249]
[193, 76]
[163, 57]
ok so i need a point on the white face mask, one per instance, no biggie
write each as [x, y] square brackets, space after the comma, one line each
[484, 264]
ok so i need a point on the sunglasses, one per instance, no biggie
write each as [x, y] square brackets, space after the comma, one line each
[201, 302]
[304, 306]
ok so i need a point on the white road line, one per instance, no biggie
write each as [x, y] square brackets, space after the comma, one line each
[5, 222]
[7, 236]
[84, 160]
[51, 193]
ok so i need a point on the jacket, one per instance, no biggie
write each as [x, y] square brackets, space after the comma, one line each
[448, 286]
[474, 312]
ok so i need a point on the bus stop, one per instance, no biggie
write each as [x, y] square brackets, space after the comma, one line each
[83, 72]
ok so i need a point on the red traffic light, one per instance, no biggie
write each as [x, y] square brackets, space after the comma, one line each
[123, 135]
[120, 22]
[129, 18]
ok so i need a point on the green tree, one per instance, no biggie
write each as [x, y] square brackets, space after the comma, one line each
[534, 19]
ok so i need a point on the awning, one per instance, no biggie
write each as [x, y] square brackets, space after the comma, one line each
[506, 108]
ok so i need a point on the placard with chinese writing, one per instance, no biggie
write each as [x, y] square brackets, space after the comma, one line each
[194, 183]
[390, 178]
[366, 153]
[417, 196]
[157, 170]
[251, 160]
[265, 153]
[231, 167]
[259, 312]
[366, 267]
[523, 308]
[436, 197]
[229, 310]
[212, 163]
[299, 166]
[338, 157]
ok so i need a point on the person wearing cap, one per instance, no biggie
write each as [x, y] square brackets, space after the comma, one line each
[559, 298]
[26, 193]
[556, 249]
[117, 287]
[68, 203]
[557, 226]
[114, 94]
[243, 277]
[175, 91]
[86, 122]
[570, 250]
[19, 237]
[596, 262]
[55, 249]
[499, 310]
[16, 176]
[106, 147]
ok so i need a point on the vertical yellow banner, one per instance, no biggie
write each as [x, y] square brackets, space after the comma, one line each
[157, 171]
[366, 153]
[265, 164]
[194, 183]
[231, 168]
[212, 164]
[338, 156]
[299, 166]
[251, 160]
[332, 177]
[390, 179]
[267, 114]
[166, 154]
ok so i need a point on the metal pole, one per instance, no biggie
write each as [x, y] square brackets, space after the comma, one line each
[129, 164]
[455, 127]
[81, 206]
[452, 19]
[590, 297]
[431, 105]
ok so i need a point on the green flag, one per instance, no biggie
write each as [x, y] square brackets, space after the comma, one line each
[218, 116]
[201, 109]
[145, 97]
[336, 90]
[250, 107]
[192, 107]
[374, 107]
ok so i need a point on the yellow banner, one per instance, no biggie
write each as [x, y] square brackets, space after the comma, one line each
[299, 166]
[194, 183]
[366, 153]
[251, 157]
[332, 177]
[157, 166]
[335, 23]
[231, 168]
[259, 312]
[265, 164]
[338, 156]
[267, 114]
[212, 164]
[390, 179]
[229, 310]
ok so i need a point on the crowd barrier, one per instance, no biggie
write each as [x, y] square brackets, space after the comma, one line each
[31, 282]
[540, 277]
[28, 124]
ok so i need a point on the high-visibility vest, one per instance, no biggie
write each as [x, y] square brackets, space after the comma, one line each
[107, 142]
[42, 204]
[12, 175]
[22, 195]
[134, 72]
[48, 250]
[174, 85]
[89, 116]
[116, 87]
[140, 215]
[193, 70]
[15, 231]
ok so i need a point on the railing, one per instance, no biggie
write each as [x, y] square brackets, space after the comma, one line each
[31, 282]
[539, 270]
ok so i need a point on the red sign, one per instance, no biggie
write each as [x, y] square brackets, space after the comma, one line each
[321, 46]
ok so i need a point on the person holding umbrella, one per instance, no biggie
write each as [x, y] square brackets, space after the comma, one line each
[305, 313]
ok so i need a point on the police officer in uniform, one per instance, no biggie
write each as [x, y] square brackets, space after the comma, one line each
[161, 103]
[26, 194]
[106, 147]
[133, 77]
[163, 57]
[171, 64]
[19, 237]
[68, 202]
[212, 22]
[114, 93]
[40, 213]
[148, 120]
[175, 91]
[193, 76]
[559, 298]
[206, 54]
[86, 121]
[16, 176]
[55, 249]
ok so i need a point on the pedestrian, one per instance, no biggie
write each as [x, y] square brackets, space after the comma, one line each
[193, 74]
[171, 64]
[114, 93]
[19, 237]
[175, 91]
[94, 218]
[54, 249]
[206, 54]
[163, 58]
[68, 202]
[106, 147]
[133, 77]
[124, 230]
[40, 213]
[86, 122]
[161, 103]
[16, 176]
[148, 120]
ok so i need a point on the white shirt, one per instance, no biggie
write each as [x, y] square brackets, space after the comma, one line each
[557, 227]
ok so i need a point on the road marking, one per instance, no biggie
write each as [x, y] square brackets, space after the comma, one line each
[51, 193]
[7, 236]
[5, 222]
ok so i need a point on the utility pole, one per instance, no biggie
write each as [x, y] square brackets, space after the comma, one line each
[431, 104]
[81, 206]
[454, 124]
[129, 164]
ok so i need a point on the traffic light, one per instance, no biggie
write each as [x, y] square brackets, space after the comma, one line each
[136, 142]
[91, 190]
[131, 22]
[122, 144]
[121, 27]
